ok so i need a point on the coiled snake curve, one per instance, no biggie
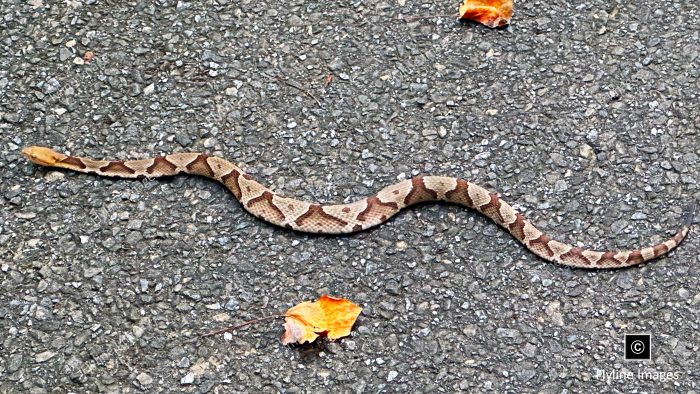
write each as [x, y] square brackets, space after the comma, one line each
[364, 213]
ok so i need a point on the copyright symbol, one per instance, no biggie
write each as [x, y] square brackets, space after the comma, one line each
[637, 347]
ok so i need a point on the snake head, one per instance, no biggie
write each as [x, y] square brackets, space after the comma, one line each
[42, 156]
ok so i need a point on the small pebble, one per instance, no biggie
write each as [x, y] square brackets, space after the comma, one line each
[44, 356]
[145, 379]
[187, 379]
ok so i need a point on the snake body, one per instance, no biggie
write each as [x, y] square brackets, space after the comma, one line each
[364, 213]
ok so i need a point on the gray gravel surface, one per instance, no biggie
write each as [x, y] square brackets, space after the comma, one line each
[584, 115]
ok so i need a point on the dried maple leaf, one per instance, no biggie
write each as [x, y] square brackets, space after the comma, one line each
[329, 316]
[492, 13]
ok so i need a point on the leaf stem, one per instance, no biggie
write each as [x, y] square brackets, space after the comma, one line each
[240, 325]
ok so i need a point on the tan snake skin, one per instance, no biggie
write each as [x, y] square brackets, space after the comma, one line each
[362, 214]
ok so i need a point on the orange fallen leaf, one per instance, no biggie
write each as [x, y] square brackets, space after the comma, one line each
[329, 316]
[492, 13]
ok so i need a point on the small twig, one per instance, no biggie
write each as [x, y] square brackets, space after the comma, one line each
[237, 326]
[306, 92]
[409, 19]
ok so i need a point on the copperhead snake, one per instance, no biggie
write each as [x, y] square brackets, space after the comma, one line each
[362, 214]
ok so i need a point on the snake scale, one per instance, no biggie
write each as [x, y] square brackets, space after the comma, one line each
[364, 213]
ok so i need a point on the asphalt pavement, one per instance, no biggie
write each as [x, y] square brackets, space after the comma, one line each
[584, 115]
